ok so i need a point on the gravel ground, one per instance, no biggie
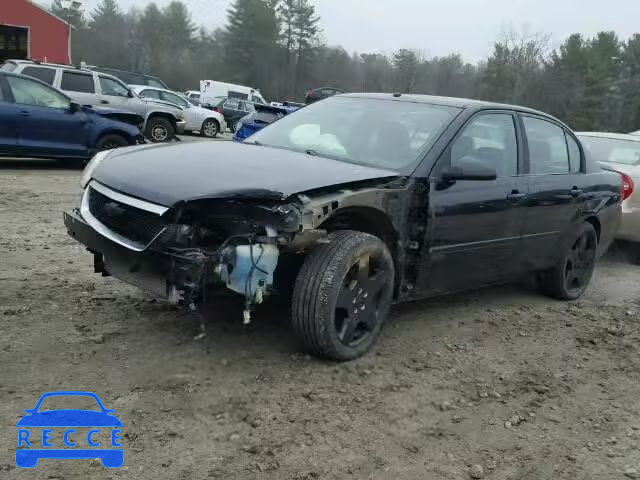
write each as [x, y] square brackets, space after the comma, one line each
[497, 384]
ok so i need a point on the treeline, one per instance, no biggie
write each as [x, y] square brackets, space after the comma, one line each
[277, 46]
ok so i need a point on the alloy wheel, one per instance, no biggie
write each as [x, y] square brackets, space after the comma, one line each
[580, 262]
[359, 299]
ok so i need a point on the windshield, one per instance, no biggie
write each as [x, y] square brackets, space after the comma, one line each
[613, 150]
[373, 132]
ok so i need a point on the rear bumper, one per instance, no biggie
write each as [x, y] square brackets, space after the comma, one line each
[630, 226]
[156, 271]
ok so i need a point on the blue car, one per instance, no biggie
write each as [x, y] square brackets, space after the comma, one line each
[41, 122]
[262, 116]
[28, 453]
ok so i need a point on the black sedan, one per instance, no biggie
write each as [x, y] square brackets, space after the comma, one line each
[351, 204]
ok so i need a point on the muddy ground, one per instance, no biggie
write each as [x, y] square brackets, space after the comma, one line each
[500, 384]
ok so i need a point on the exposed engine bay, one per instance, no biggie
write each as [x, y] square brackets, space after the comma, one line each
[183, 252]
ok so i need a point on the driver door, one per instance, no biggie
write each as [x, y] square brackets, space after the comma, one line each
[45, 124]
[475, 226]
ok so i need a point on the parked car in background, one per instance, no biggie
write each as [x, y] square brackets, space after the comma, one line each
[621, 152]
[130, 78]
[86, 87]
[39, 121]
[211, 89]
[255, 121]
[353, 203]
[313, 95]
[194, 97]
[232, 109]
[207, 122]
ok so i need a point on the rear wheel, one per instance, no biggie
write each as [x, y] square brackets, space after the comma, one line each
[570, 277]
[111, 141]
[342, 295]
[159, 130]
[210, 128]
[232, 126]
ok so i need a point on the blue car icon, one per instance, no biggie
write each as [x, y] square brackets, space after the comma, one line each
[28, 456]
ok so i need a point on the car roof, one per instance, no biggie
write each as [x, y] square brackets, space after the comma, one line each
[616, 136]
[48, 64]
[464, 103]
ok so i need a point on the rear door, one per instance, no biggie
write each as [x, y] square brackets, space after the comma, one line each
[45, 125]
[80, 86]
[556, 188]
[8, 117]
[475, 226]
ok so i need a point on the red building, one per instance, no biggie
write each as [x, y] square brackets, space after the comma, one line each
[29, 30]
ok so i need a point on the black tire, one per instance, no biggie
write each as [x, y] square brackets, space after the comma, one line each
[159, 130]
[210, 128]
[570, 277]
[331, 276]
[111, 141]
[232, 126]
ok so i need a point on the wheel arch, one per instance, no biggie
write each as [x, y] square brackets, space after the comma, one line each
[368, 220]
[112, 131]
[165, 115]
[595, 222]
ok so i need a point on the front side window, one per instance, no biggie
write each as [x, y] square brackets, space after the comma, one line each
[380, 133]
[113, 88]
[47, 75]
[548, 153]
[28, 92]
[77, 82]
[490, 138]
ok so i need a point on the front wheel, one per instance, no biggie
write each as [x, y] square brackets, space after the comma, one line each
[570, 277]
[342, 295]
[160, 130]
[210, 128]
[111, 141]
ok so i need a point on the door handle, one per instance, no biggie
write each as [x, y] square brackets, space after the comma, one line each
[515, 196]
[24, 113]
[576, 192]
[104, 102]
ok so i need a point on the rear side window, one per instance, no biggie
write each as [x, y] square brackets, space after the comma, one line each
[548, 153]
[232, 103]
[41, 73]
[77, 82]
[150, 94]
[575, 162]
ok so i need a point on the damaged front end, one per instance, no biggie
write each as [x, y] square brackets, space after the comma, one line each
[179, 253]
[243, 242]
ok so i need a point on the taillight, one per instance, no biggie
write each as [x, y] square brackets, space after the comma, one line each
[627, 186]
[309, 93]
[218, 109]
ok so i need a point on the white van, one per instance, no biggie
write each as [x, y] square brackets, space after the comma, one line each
[211, 89]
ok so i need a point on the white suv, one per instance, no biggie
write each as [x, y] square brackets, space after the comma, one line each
[208, 122]
[161, 121]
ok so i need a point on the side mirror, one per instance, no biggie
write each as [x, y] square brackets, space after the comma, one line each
[130, 94]
[469, 168]
[74, 107]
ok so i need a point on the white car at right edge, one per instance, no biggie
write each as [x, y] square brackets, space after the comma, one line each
[620, 152]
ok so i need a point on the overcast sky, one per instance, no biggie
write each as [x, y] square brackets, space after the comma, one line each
[468, 27]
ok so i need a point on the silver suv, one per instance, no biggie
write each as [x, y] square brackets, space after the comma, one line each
[162, 121]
